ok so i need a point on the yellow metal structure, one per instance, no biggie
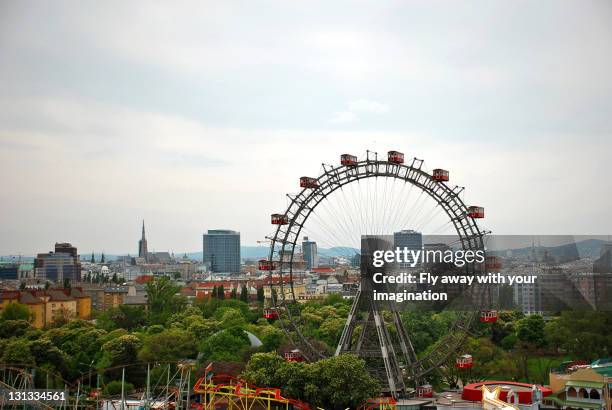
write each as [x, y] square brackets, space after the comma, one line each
[235, 394]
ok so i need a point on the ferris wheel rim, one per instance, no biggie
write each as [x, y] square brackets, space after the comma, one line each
[335, 177]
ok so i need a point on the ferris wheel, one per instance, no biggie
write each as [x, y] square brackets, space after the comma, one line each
[357, 197]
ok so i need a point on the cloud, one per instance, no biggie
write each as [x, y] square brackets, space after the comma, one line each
[187, 115]
[363, 105]
[344, 117]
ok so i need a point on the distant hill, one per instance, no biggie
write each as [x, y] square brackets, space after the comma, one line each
[259, 252]
[589, 248]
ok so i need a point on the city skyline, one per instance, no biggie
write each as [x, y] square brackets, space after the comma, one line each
[187, 117]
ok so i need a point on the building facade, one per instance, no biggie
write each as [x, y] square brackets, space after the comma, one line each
[221, 251]
[409, 239]
[309, 250]
[57, 266]
[50, 306]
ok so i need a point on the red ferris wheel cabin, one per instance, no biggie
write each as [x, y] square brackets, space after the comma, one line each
[279, 219]
[424, 391]
[348, 160]
[464, 362]
[488, 316]
[476, 212]
[270, 313]
[396, 157]
[267, 265]
[293, 356]
[308, 182]
[439, 175]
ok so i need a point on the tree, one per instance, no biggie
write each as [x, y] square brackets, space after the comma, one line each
[230, 317]
[233, 293]
[272, 339]
[169, 345]
[336, 383]
[221, 292]
[226, 345]
[339, 382]
[425, 328]
[262, 369]
[114, 388]
[120, 352]
[123, 316]
[582, 334]
[490, 362]
[17, 352]
[46, 354]
[531, 330]
[162, 299]
[66, 283]
[260, 294]
[330, 330]
[16, 311]
[244, 294]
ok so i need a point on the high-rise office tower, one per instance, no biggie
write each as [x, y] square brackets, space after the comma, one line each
[56, 266]
[412, 240]
[221, 250]
[309, 249]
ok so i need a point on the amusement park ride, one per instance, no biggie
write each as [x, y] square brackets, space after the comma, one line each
[367, 331]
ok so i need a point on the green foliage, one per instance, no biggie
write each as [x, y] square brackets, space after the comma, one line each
[330, 330]
[509, 341]
[13, 328]
[490, 361]
[425, 328]
[531, 330]
[154, 329]
[244, 294]
[260, 294]
[16, 311]
[334, 383]
[272, 339]
[229, 317]
[17, 352]
[119, 352]
[582, 334]
[169, 345]
[122, 317]
[262, 369]
[501, 330]
[191, 319]
[114, 388]
[45, 352]
[340, 382]
[162, 300]
[228, 345]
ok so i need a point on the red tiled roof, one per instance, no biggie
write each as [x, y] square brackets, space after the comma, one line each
[142, 279]
[323, 269]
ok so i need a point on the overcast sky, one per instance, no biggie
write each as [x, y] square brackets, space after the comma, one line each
[203, 115]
